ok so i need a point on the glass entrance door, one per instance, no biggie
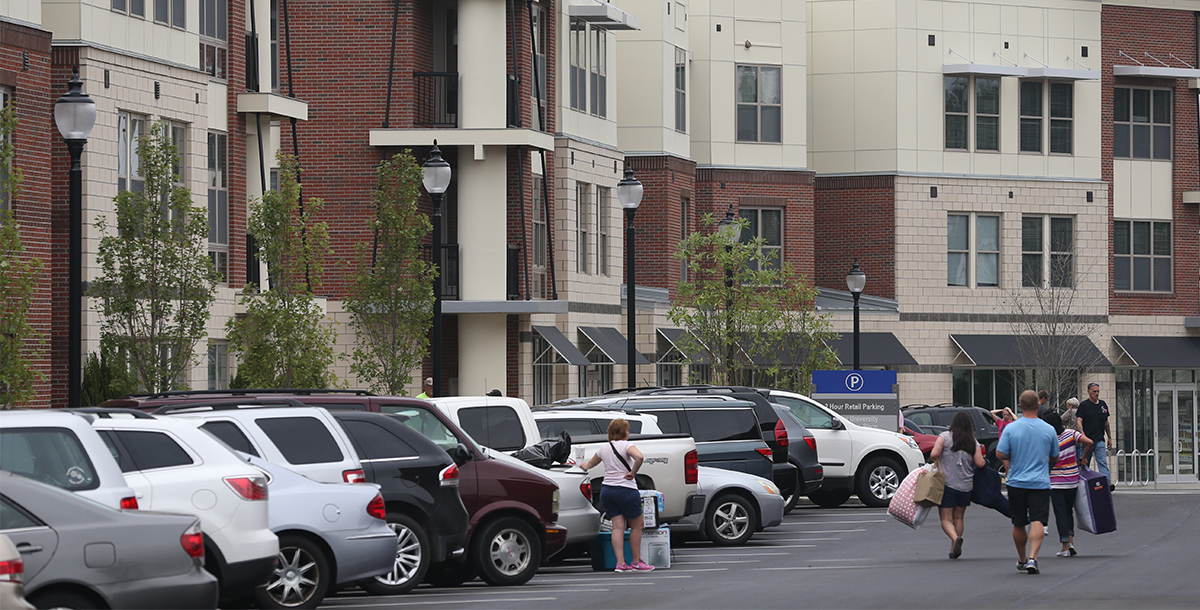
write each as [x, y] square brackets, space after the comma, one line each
[1175, 432]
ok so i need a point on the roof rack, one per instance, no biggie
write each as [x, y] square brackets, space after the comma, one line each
[587, 407]
[229, 405]
[107, 413]
[631, 390]
[249, 392]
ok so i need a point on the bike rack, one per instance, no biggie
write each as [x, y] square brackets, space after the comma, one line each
[1135, 467]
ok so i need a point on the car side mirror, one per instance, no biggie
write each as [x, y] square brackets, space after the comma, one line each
[838, 425]
[462, 455]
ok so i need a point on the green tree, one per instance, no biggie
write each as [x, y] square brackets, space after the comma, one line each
[105, 376]
[19, 275]
[391, 290]
[284, 340]
[748, 314]
[156, 283]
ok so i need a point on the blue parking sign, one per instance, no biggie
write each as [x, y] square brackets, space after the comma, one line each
[854, 382]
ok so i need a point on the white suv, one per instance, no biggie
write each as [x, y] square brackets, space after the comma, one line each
[304, 439]
[62, 449]
[174, 466]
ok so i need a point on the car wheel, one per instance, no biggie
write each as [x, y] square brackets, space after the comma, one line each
[507, 552]
[790, 501]
[300, 579]
[878, 481]
[67, 600]
[412, 558]
[730, 520]
[449, 574]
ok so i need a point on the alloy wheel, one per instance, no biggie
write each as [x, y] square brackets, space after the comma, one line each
[296, 578]
[509, 552]
[408, 556]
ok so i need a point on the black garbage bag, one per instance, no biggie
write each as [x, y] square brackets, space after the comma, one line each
[986, 491]
[547, 451]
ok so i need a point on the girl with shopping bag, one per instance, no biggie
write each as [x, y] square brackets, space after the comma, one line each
[957, 454]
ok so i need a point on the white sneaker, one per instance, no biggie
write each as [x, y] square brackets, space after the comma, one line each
[1063, 554]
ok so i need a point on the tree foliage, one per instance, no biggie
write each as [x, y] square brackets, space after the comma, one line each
[19, 276]
[105, 376]
[748, 315]
[156, 283]
[391, 291]
[285, 340]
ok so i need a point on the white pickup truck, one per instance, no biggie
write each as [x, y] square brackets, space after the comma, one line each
[508, 424]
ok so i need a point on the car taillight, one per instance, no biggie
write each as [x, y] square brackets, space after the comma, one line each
[781, 436]
[811, 441]
[377, 509]
[585, 488]
[764, 451]
[193, 542]
[354, 476]
[129, 503]
[449, 475]
[249, 488]
[691, 467]
[11, 570]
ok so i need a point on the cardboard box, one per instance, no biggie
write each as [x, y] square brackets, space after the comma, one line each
[652, 503]
[656, 547]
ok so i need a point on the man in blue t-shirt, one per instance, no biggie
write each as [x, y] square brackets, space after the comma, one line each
[1029, 447]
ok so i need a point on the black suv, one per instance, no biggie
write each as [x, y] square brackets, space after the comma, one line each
[986, 431]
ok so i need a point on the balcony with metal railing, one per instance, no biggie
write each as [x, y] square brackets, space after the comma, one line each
[435, 102]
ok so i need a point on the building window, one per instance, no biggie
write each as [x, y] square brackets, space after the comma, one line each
[1031, 116]
[578, 74]
[957, 93]
[137, 8]
[218, 203]
[214, 37]
[178, 134]
[758, 104]
[1141, 123]
[588, 50]
[1062, 114]
[680, 90]
[583, 210]
[275, 46]
[685, 217]
[5, 198]
[130, 128]
[603, 211]
[1047, 251]
[973, 250]
[539, 240]
[598, 49]
[218, 365]
[765, 223]
[171, 12]
[539, 25]
[1142, 255]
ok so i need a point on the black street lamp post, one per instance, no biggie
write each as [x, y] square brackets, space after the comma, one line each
[727, 228]
[436, 181]
[75, 115]
[856, 280]
[629, 193]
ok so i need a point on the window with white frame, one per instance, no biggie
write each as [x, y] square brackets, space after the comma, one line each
[685, 216]
[218, 202]
[218, 365]
[214, 38]
[1059, 97]
[5, 203]
[1141, 123]
[1142, 255]
[598, 86]
[961, 114]
[680, 90]
[540, 34]
[603, 213]
[274, 8]
[177, 132]
[972, 250]
[171, 12]
[583, 215]
[539, 241]
[759, 104]
[588, 72]
[136, 8]
[577, 50]
[1047, 251]
[765, 223]
[130, 128]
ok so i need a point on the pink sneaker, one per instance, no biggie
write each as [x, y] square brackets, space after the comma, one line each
[623, 567]
[641, 566]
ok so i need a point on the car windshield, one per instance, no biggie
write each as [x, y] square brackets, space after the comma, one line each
[425, 422]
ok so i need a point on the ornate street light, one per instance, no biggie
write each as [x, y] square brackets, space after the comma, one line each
[437, 180]
[856, 280]
[629, 193]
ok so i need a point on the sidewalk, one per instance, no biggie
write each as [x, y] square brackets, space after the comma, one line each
[1163, 488]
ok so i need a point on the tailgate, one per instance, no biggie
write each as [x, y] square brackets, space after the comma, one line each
[664, 464]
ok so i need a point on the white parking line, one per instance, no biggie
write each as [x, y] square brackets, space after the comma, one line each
[786, 546]
[705, 570]
[550, 583]
[393, 604]
[825, 568]
[698, 563]
[756, 554]
[793, 539]
[808, 532]
[833, 522]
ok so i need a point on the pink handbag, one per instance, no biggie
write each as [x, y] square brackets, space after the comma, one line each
[903, 507]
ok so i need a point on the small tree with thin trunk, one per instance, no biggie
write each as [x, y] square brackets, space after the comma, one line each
[284, 340]
[19, 275]
[156, 283]
[391, 293]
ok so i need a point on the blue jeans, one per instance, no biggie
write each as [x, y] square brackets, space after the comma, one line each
[1100, 452]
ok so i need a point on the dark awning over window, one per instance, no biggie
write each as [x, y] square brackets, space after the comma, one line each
[878, 349]
[676, 337]
[612, 343]
[562, 345]
[1161, 352]
[1008, 351]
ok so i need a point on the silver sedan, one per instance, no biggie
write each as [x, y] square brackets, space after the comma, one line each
[738, 504]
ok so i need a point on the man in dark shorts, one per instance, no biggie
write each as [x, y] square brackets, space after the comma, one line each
[1029, 447]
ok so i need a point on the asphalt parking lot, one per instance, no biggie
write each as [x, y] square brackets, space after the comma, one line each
[857, 557]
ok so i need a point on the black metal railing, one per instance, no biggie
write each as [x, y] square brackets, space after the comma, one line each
[436, 101]
[448, 271]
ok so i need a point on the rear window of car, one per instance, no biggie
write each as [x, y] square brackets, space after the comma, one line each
[13, 517]
[301, 440]
[50, 455]
[810, 416]
[151, 450]
[709, 424]
[669, 422]
[229, 433]
[919, 418]
[552, 428]
[376, 443]
[497, 427]
[424, 421]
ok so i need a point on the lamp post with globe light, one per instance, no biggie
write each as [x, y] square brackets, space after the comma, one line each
[436, 180]
[856, 280]
[629, 193]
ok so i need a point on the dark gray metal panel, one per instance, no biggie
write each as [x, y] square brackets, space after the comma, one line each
[612, 343]
[562, 345]
[990, 351]
[1162, 352]
[675, 336]
[878, 349]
